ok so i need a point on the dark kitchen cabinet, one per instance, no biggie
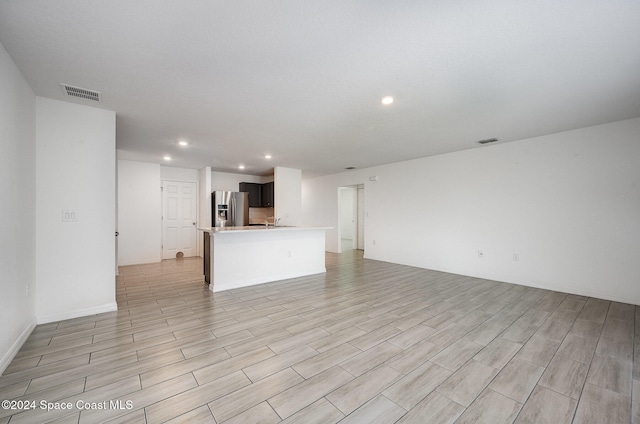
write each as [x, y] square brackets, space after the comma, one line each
[255, 193]
[267, 195]
[260, 195]
[207, 257]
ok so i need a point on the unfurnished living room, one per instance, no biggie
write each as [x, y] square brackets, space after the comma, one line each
[320, 211]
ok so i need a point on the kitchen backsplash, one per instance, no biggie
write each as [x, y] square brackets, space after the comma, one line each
[259, 215]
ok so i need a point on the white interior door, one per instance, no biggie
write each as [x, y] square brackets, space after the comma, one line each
[179, 217]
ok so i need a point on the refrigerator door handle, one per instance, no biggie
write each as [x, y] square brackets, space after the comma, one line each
[233, 210]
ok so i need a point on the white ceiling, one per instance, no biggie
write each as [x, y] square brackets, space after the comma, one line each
[302, 80]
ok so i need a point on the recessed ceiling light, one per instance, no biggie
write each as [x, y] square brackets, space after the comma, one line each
[387, 100]
[267, 156]
[183, 143]
[241, 167]
[167, 158]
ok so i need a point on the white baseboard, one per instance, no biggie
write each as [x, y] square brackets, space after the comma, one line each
[109, 307]
[141, 261]
[15, 347]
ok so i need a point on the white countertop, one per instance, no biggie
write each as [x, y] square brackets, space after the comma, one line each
[256, 228]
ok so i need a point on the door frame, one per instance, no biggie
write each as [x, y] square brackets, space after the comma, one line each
[359, 217]
[356, 215]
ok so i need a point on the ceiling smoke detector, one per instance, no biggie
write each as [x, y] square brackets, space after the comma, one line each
[487, 141]
[82, 93]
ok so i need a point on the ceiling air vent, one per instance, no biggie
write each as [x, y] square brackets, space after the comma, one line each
[487, 141]
[83, 93]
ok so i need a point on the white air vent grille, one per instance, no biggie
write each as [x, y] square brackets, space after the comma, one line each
[83, 93]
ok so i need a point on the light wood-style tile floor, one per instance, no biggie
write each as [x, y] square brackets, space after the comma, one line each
[367, 342]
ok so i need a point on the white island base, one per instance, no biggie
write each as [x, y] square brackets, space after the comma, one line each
[245, 256]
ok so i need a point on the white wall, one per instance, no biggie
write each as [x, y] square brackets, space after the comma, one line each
[140, 209]
[320, 207]
[179, 174]
[205, 203]
[288, 195]
[139, 212]
[75, 171]
[567, 204]
[17, 209]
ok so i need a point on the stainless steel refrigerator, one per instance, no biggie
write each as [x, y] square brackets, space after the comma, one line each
[229, 209]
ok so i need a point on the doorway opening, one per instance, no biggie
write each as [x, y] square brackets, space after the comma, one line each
[351, 218]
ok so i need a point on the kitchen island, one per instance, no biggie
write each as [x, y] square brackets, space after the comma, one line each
[245, 256]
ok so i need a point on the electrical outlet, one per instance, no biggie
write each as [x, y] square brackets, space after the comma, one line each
[69, 216]
[28, 289]
[374, 242]
[289, 254]
[480, 253]
[516, 257]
